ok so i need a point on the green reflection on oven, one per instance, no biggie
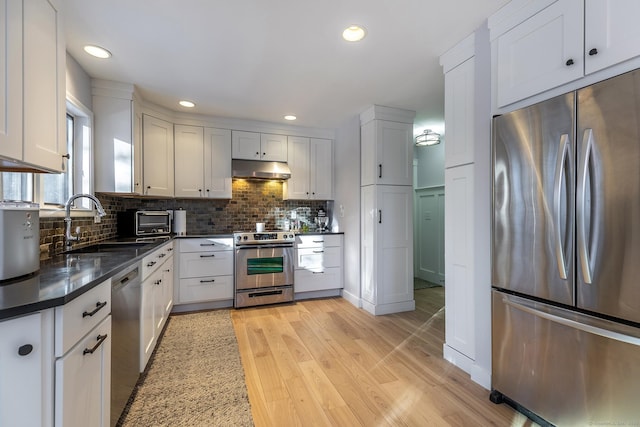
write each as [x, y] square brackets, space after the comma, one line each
[265, 265]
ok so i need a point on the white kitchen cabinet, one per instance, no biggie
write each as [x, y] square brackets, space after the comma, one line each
[386, 146]
[387, 248]
[32, 80]
[83, 359]
[202, 162]
[83, 380]
[459, 113]
[311, 164]
[319, 263]
[611, 32]
[117, 126]
[205, 270]
[540, 45]
[157, 298]
[258, 146]
[26, 355]
[158, 146]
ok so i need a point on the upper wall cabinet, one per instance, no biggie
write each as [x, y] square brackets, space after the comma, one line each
[386, 146]
[459, 110]
[157, 146]
[202, 162]
[311, 164]
[542, 44]
[258, 146]
[117, 138]
[32, 80]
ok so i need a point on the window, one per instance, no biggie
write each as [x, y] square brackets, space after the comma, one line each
[52, 191]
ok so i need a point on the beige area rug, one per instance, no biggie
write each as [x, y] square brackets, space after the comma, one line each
[194, 378]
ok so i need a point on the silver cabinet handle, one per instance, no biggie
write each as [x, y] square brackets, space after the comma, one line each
[583, 171]
[563, 154]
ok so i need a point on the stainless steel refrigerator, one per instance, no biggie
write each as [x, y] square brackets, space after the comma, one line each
[566, 256]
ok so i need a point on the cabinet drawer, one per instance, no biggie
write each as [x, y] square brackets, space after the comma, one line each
[315, 241]
[83, 377]
[152, 262]
[306, 280]
[209, 244]
[200, 289]
[198, 264]
[75, 319]
[318, 258]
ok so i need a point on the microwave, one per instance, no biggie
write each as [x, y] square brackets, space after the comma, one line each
[144, 223]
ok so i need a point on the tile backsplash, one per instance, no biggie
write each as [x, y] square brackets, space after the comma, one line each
[253, 201]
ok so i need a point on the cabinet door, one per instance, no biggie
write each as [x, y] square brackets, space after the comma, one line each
[137, 148]
[22, 358]
[297, 187]
[11, 79]
[157, 156]
[217, 163]
[245, 145]
[147, 325]
[274, 147]
[44, 77]
[459, 265]
[83, 381]
[611, 32]
[459, 114]
[387, 153]
[543, 52]
[167, 287]
[189, 161]
[394, 247]
[321, 169]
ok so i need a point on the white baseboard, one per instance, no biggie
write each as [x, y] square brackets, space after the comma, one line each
[396, 307]
[477, 373]
[317, 294]
[353, 299]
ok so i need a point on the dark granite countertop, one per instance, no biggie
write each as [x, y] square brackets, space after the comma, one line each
[64, 277]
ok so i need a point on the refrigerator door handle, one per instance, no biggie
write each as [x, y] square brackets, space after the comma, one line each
[561, 160]
[583, 168]
[585, 327]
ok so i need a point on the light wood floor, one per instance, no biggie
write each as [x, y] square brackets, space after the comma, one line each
[325, 362]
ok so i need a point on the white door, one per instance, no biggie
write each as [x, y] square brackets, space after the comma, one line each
[274, 147]
[11, 79]
[245, 145]
[189, 161]
[321, 169]
[217, 163]
[297, 187]
[430, 246]
[394, 152]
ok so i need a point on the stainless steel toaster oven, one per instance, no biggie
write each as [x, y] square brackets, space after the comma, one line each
[144, 223]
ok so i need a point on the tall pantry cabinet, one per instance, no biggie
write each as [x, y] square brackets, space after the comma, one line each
[467, 206]
[386, 181]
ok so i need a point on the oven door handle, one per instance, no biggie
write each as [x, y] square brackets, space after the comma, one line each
[264, 246]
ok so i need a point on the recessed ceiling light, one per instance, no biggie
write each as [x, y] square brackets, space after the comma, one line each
[290, 117]
[354, 33]
[97, 51]
[187, 104]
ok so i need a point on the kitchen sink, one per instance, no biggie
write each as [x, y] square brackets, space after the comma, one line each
[108, 247]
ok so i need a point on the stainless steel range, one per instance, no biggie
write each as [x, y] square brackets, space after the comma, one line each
[264, 268]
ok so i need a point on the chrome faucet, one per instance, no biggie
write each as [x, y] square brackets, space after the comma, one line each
[68, 237]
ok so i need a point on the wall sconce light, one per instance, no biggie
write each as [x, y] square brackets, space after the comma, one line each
[428, 137]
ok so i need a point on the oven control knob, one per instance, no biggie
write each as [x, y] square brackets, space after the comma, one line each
[245, 237]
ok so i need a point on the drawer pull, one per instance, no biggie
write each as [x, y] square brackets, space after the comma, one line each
[169, 249]
[151, 264]
[318, 241]
[318, 272]
[162, 255]
[208, 281]
[100, 339]
[207, 244]
[24, 350]
[318, 252]
[99, 305]
[207, 256]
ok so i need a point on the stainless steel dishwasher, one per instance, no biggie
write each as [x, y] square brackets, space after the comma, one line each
[125, 332]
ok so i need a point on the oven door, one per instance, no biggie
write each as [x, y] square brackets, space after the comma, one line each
[264, 266]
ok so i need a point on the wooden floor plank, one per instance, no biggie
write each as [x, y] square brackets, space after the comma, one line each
[326, 362]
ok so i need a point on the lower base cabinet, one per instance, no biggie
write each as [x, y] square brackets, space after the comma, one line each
[83, 381]
[318, 263]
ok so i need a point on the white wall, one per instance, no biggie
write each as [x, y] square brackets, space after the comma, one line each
[430, 171]
[78, 82]
[347, 195]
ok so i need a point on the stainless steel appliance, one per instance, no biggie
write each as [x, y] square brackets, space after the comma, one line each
[126, 298]
[566, 256]
[20, 242]
[264, 268]
[144, 223]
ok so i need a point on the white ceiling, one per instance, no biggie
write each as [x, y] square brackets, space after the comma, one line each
[262, 59]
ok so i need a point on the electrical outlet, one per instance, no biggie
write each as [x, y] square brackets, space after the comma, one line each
[341, 211]
[97, 219]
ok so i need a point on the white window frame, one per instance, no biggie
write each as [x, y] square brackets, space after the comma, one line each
[83, 119]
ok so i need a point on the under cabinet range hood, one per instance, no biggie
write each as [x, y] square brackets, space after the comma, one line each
[259, 169]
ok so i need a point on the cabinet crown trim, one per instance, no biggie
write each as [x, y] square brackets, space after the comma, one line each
[514, 13]
[379, 112]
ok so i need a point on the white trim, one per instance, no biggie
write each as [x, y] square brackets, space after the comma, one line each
[353, 299]
[476, 372]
